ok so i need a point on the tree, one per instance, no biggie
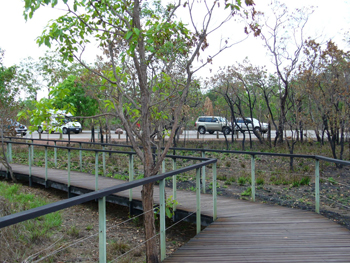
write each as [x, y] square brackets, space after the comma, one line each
[326, 76]
[150, 56]
[76, 94]
[8, 105]
[240, 85]
[54, 70]
[283, 36]
[29, 78]
[208, 106]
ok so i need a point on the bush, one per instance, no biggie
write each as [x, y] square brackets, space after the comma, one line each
[247, 192]
[305, 181]
[260, 181]
[242, 180]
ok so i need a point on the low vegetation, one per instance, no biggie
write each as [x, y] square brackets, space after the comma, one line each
[71, 235]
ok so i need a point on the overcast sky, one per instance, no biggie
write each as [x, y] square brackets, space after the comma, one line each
[17, 37]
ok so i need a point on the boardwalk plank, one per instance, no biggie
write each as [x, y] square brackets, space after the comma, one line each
[244, 232]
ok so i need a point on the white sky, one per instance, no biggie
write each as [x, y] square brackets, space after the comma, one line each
[17, 37]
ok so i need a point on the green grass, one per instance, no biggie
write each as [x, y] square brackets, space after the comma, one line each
[242, 180]
[332, 180]
[260, 181]
[17, 201]
[247, 192]
[305, 181]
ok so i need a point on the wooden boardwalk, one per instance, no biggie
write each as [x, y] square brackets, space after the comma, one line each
[244, 231]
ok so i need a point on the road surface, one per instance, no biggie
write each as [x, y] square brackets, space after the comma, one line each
[188, 134]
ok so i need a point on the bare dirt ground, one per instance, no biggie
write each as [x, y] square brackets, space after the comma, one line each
[77, 238]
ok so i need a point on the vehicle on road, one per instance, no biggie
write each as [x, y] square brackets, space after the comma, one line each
[12, 128]
[212, 124]
[60, 121]
[250, 124]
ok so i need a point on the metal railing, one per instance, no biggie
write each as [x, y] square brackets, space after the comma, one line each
[100, 195]
[200, 171]
[203, 152]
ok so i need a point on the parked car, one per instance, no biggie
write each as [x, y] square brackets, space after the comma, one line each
[12, 128]
[60, 121]
[212, 124]
[250, 124]
[20, 128]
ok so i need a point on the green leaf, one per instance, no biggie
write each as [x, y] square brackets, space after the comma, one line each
[47, 42]
[128, 35]
[168, 212]
[136, 31]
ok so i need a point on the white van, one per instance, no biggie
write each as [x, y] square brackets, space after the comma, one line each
[60, 121]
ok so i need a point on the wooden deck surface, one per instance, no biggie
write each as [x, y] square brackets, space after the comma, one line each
[244, 232]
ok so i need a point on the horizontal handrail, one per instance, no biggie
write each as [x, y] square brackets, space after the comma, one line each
[105, 151]
[332, 160]
[319, 157]
[173, 148]
[46, 209]
[70, 141]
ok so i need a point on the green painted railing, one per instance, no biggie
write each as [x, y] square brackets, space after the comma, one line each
[26, 215]
[200, 173]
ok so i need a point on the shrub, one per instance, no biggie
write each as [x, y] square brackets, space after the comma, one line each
[242, 180]
[260, 181]
[296, 183]
[305, 181]
[247, 192]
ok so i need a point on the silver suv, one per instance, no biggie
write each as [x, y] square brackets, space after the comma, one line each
[212, 124]
[250, 124]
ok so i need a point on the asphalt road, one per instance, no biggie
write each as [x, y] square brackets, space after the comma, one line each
[191, 134]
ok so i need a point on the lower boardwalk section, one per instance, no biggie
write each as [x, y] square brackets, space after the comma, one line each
[265, 233]
[243, 232]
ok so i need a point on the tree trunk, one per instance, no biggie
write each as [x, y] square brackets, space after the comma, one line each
[318, 135]
[147, 204]
[93, 133]
[279, 135]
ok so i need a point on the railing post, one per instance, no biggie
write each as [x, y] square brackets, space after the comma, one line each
[198, 199]
[96, 170]
[253, 176]
[46, 186]
[203, 174]
[317, 185]
[80, 158]
[162, 219]
[68, 173]
[215, 213]
[102, 229]
[55, 153]
[10, 152]
[131, 174]
[7, 152]
[104, 160]
[32, 146]
[174, 185]
[30, 165]
[163, 166]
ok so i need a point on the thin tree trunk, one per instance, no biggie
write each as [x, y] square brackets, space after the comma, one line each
[147, 204]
